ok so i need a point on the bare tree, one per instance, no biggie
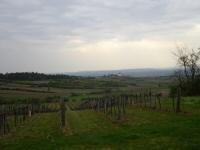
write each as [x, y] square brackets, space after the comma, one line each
[189, 60]
[194, 58]
[183, 60]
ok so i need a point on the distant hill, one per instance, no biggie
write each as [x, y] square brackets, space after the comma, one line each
[126, 72]
[150, 72]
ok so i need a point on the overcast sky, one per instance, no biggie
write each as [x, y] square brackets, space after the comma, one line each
[74, 35]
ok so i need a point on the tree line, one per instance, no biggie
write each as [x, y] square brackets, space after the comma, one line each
[33, 76]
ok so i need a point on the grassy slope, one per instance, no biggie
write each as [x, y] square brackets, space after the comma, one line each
[88, 130]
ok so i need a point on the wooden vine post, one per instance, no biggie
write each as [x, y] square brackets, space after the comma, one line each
[150, 94]
[63, 110]
[178, 108]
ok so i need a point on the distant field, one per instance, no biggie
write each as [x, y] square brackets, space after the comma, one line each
[12, 90]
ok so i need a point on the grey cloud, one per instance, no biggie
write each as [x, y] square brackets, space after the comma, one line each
[50, 25]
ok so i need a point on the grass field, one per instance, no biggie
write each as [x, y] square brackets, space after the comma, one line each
[140, 130]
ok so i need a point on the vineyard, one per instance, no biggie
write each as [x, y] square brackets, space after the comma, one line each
[131, 118]
[14, 115]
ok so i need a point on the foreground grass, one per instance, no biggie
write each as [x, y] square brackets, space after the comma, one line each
[141, 130]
